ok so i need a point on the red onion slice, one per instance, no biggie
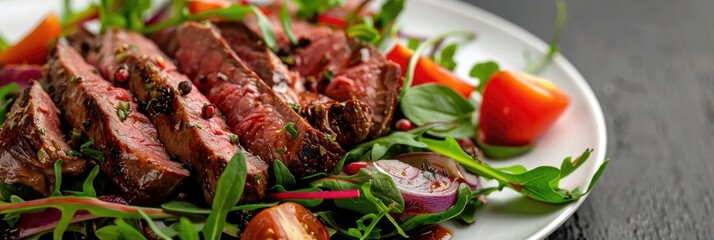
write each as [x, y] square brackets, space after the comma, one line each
[441, 163]
[423, 191]
[21, 74]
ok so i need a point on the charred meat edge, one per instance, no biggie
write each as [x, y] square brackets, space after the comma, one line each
[189, 130]
[348, 123]
[32, 139]
[266, 125]
[133, 157]
[343, 68]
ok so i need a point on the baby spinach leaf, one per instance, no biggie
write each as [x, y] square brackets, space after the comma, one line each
[382, 187]
[187, 230]
[282, 174]
[483, 71]
[438, 103]
[228, 192]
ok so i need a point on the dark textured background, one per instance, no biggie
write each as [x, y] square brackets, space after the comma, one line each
[651, 65]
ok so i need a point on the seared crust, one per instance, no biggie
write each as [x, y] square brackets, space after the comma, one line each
[32, 139]
[201, 142]
[134, 158]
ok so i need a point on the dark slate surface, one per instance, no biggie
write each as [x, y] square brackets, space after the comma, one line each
[651, 65]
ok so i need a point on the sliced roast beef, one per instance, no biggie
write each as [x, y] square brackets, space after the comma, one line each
[189, 125]
[266, 125]
[132, 155]
[349, 121]
[32, 139]
[344, 68]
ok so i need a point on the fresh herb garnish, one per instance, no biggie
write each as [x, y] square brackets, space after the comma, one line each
[290, 128]
[123, 110]
[234, 139]
[364, 31]
[227, 195]
[87, 151]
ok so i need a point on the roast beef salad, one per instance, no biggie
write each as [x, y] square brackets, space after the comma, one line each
[297, 120]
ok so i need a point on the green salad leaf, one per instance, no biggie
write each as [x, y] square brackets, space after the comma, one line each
[381, 185]
[120, 230]
[287, 24]
[540, 183]
[430, 103]
[309, 9]
[228, 192]
[5, 100]
[483, 71]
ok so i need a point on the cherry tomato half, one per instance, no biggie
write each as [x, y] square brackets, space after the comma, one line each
[285, 221]
[518, 107]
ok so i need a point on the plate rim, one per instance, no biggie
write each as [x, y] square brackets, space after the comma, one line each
[477, 14]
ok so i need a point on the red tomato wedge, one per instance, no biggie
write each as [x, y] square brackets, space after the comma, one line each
[427, 71]
[285, 221]
[518, 107]
[33, 48]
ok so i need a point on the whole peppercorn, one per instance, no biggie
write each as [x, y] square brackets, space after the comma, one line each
[185, 87]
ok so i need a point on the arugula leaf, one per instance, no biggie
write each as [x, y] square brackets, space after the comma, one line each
[446, 56]
[187, 208]
[483, 71]
[467, 216]
[125, 14]
[411, 67]
[540, 183]
[553, 48]
[58, 179]
[309, 9]
[122, 230]
[438, 103]
[381, 185]
[287, 25]
[5, 101]
[88, 185]
[228, 192]
[153, 226]
[503, 152]
[282, 174]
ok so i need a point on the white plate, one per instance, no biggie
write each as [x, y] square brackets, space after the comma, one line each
[506, 215]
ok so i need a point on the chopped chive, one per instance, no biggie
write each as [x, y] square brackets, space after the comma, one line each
[72, 153]
[281, 150]
[295, 107]
[42, 131]
[123, 110]
[148, 86]
[328, 74]
[234, 138]
[290, 128]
